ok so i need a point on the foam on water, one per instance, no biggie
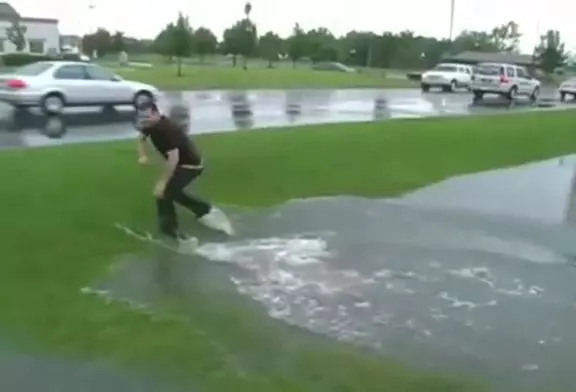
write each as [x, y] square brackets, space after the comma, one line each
[284, 271]
[289, 251]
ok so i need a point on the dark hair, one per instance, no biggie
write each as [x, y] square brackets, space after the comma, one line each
[149, 105]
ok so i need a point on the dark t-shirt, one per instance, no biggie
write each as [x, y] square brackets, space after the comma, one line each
[165, 135]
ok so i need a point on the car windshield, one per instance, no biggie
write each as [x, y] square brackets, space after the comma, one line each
[446, 68]
[33, 69]
[488, 69]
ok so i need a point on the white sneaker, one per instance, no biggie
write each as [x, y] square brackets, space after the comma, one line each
[217, 220]
[187, 246]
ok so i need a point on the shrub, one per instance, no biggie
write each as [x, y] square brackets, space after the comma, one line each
[20, 59]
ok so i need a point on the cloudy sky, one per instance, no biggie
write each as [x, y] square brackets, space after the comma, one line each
[145, 18]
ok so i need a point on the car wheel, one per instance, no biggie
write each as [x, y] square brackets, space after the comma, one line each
[535, 94]
[141, 98]
[453, 86]
[562, 97]
[512, 94]
[52, 103]
[425, 87]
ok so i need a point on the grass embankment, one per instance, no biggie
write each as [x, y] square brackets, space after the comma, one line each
[60, 203]
[205, 78]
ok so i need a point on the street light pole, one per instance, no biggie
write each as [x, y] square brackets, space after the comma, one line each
[92, 32]
[250, 26]
[452, 6]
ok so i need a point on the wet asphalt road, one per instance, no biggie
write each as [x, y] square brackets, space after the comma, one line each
[218, 111]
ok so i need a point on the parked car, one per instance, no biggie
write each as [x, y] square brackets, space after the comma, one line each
[507, 80]
[447, 76]
[53, 85]
[568, 89]
[73, 57]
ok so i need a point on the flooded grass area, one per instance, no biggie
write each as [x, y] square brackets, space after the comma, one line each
[59, 237]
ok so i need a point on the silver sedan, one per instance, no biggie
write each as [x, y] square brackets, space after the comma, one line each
[53, 85]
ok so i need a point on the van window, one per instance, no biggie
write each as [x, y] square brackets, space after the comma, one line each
[489, 69]
[445, 68]
[522, 73]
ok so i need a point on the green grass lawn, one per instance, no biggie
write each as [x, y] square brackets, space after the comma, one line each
[198, 77]
[57, 236]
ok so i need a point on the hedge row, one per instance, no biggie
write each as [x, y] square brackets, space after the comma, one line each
[20, 59]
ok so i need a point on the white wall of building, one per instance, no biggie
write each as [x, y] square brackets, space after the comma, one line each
[45, 32]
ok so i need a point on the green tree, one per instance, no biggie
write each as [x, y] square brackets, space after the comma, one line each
[117, 42]
[230, 46]
[16, 33]
[270, 47]
[135, 45]
[100, 41]
[205, 42]
[477, 41]
[506, 38]
[359, 48]
[240, 40]
[321, 45]
[551, 52]
[161, 43]
[179, 41]
[410, 51]
[297, 45]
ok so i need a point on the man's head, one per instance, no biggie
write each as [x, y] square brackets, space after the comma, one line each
[149, 113]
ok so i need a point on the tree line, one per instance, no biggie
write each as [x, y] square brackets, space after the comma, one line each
[404, 50]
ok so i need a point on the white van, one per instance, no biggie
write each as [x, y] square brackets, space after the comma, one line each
[507, 80]
[447, 76]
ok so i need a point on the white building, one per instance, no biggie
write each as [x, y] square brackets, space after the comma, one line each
[42, 35]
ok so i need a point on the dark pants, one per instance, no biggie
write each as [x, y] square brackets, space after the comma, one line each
[174, 193]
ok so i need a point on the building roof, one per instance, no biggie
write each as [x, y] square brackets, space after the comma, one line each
[6, 10]
[8, 13]
[485, 57]
[40, 20]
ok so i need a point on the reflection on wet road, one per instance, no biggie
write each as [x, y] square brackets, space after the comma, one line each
[216, 111]
[474, 274]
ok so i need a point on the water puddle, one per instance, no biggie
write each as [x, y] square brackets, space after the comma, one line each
[473, 274]
[27, 373]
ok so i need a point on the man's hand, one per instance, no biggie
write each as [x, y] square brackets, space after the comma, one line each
[159, 189]
[143, 160]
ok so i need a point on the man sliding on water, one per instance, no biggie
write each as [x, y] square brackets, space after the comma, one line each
[183, 165]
